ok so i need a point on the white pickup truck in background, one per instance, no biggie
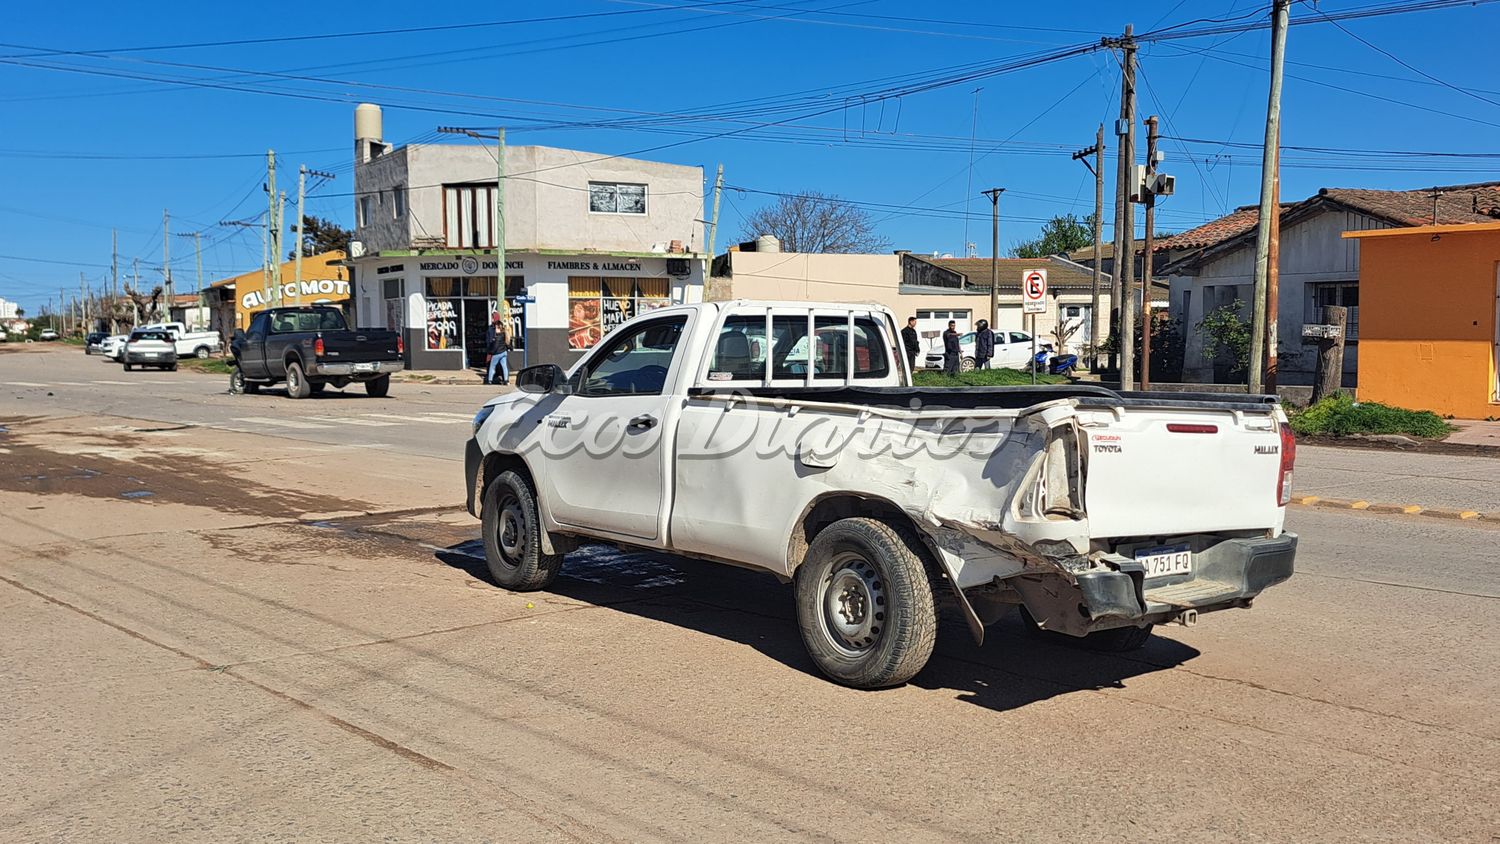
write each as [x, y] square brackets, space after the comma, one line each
[786, 437]
[198, 344]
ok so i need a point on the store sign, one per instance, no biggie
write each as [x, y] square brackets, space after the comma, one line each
[597, 266]
[321, 291]
[466, 265]
[442, 325]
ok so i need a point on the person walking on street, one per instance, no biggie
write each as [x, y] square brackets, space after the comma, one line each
[497, 346]
[984, 345]
[912, 343]
[952, 351]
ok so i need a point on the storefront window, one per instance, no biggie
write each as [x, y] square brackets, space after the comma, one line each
[596, 305]
[459, 309]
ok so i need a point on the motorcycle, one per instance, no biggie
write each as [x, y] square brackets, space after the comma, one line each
[1055, 364]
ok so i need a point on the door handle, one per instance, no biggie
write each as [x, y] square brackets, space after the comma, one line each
[642, 423]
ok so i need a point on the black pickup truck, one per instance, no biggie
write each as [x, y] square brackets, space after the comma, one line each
[310, 348]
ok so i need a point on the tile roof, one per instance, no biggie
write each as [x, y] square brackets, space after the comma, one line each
[1060, 272]
[1472, 203]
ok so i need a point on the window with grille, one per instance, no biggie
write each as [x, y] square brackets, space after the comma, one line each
[617, 198]
[1340, 293]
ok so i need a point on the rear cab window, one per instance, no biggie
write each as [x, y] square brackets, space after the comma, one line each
[800, 347]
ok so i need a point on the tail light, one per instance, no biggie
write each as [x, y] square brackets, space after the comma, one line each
[318, 347]
[1288, 457]
[400, 345]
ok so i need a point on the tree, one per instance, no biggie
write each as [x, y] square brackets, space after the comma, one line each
[816, 222]
[1226, 335]
[1060, 235]
[319, 236]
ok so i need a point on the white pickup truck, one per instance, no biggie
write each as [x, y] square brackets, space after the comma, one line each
[199, 344]
[786, 437]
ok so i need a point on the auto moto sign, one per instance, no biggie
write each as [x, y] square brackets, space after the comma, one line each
[1033, 291]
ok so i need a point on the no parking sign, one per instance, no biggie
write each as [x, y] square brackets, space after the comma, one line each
[1033, 291]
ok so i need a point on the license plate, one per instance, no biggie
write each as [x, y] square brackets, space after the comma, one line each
[364, 367]
[1163, 562]
[149, 354]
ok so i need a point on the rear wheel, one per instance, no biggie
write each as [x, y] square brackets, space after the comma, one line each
[377, 388]
[128, 367]
[967, 364]
[201, 352]
[513, 536]
[865, 605]
[296, 382]
[171, 367]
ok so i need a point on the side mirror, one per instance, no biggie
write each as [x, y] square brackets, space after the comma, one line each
[238, 333]
[542, 378]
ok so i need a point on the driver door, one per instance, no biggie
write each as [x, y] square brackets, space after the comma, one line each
[604, 443]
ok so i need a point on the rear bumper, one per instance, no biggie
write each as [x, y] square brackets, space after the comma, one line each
[351, 370]
[159, 357]
[1230, 574]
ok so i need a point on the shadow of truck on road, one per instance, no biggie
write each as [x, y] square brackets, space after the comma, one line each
[1015, 668]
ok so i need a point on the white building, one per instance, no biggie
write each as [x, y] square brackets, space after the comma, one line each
[8, 309]
[590, 240]
[1213, 266]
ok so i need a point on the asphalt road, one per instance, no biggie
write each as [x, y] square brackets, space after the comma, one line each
[220, 633]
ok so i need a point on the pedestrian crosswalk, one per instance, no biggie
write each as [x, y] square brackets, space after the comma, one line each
[363, 420]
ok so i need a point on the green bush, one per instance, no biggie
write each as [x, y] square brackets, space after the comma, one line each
[1341, 416]
[984, 378]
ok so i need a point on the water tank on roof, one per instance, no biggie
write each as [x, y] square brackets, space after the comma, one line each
[767, 243]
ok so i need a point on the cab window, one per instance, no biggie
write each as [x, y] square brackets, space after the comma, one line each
[740, 351]
[634, 363]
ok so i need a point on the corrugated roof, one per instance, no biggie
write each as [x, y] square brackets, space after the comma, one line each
[1060, 272]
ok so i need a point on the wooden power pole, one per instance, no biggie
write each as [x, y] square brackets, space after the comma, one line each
[1124, 261]
[1097, 168]
[994, 195]
[1262, 328]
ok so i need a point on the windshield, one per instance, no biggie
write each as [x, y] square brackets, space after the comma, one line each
[149, 335]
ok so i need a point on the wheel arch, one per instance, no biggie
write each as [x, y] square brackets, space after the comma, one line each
[830, 507]
[491, 466]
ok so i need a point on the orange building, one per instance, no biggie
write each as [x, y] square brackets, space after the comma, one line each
[1429, 303]
[325, 281]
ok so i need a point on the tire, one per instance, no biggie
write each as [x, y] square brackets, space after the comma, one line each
[296, 382]
[966, 365]
[128, 367]
[1116, 640]
[865, 605]
[201, 353]
[171, 367]
[512, 527]
[377, 388]
[237, 385]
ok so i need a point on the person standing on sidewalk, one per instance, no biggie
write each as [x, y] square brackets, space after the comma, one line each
[497, 346]
[912, 342]
[952, 349]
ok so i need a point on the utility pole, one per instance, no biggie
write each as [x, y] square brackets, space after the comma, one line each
[302, 173]
[1268, 225]
[1125, 232]
[994, 195]
[1097, 168]
[62, 311]
[83, 307]
[135, 310]
[500, 213]
[1148, 197]
[166, 265]
[114, 277]
[273, 228]
[1273, 275]
[713, 224]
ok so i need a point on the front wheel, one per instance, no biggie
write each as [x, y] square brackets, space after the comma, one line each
[376, 388]
[512, 526]
[865, 605]
[296, 382]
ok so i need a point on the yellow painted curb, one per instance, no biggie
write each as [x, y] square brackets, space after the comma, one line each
[1409, 509]
[1305, 500]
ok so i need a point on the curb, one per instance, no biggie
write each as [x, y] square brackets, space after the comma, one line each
[1451, 513]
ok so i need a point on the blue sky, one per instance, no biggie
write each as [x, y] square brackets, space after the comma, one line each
[84, 152]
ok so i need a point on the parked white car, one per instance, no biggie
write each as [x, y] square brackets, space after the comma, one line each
[719, 430]
[1012, 351]
[113, 346]
[47, 334]
[198, 344]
